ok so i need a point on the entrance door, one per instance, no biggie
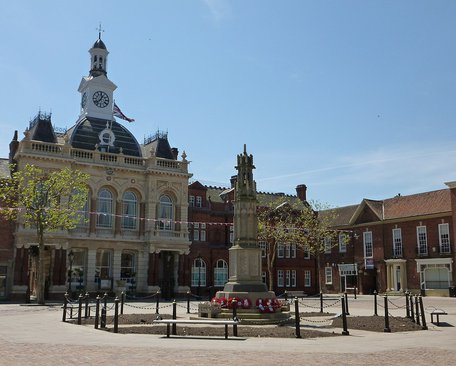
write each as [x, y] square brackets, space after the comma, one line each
[167, 274]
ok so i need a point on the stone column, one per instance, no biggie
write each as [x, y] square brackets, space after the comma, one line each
[91, 265]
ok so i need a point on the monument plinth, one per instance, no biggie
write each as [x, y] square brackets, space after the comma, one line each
[245, 280]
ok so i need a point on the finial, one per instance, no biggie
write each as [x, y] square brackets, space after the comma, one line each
[245, 148]
[99, 29]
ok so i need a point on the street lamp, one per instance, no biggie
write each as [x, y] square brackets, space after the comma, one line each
[70, 272]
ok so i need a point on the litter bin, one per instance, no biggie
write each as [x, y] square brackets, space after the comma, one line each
[452, 290]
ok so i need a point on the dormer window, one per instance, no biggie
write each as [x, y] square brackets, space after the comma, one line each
[106, 137]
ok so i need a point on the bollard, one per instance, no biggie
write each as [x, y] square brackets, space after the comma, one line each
[86, 308]
[103, 318]
[285, 295]
[297, 319]
[174, 332]
[116, 315]
[346, 303]
[65, 305]
[407, 308]
[79, 309]
[122, 301]
[423, 315]
[157, 305]
[344, 317]
[321, 302]
[375, 303]
[387, 328]
[417, 310]
[97, 312]
[105, 301]
[234, 305]
[412, 312]
[188, 302]
[354, 291]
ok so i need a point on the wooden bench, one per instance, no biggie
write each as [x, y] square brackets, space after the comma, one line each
[168, 323]
[437, 314]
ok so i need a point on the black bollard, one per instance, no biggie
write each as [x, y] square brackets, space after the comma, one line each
[423, 315]
[188, 302]
[344, 317]
[122, 301]
[407, 308]
[417, 310]
[297, 319]
[105, 301]
[103, 318]
[79, 309]
[65, 305]
[234, 305]
[97, 312]
[86, 308]
[387, 328]
[285, 295]
[157, 305]
[116, 315]
[354, 291]
[412, 312]
[321, 302]
[346, 303]
[375, 303]
[174, 332]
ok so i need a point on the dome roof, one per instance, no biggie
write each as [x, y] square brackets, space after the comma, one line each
[86, 135]
[99, 44]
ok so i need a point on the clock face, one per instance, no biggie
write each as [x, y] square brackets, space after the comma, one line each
[84, 100]
[100, 99]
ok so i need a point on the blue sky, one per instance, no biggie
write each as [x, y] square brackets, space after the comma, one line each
[355, 99]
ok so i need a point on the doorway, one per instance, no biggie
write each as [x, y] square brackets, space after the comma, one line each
[167, 274]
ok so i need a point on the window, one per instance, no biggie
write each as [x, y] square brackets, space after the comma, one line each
[307, 278]
[263, 246]
[327, 245]
[191, 201]
[231, 234]
[293, 250]
[397, 242]
[198, 273]
[77, 268]
[128, 267]
[279, 278]
[103, 272]
[287, 251]
[444, 238]
[293, 278]
[287, 278]
[104, 208]
[203, 232]
[220, 273]
[306, 253]
[165, 213]
[342, 243]
[368, 246]
[84, 214]
[328, 275]
[196, 232]
[263, 277]
[421, 236]
[129, 210]
[199, 201]
[280, 250]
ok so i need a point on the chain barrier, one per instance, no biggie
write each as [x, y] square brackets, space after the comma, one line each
[396, 306]
[322, 321]
[140, 307]
[185, 307]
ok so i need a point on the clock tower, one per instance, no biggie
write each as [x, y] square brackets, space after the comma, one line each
[96, 89]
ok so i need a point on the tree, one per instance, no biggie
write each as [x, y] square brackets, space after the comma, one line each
[46, 201]
[305, 225]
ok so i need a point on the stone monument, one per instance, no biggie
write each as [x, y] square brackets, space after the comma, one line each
[245, 280]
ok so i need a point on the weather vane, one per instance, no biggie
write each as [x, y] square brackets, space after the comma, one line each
[99, 29]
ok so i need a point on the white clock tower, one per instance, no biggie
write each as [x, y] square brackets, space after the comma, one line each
[96, 89]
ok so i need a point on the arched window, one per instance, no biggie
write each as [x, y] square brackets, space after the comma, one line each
[165, 213]
[220, 273]
[129, 210]
[104, 208]
[199, 273]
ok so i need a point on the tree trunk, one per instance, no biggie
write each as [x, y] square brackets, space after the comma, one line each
[40, 276]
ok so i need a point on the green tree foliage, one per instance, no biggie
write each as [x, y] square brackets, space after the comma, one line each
[304, 224]
[44, 200]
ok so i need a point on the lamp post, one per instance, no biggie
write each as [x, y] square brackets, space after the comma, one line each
[70, 272]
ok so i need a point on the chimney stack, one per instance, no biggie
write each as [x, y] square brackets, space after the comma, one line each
[175, 152]
[301, 191]
[233, 181]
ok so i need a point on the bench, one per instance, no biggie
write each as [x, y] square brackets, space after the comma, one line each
[437, 314]
[168, 322]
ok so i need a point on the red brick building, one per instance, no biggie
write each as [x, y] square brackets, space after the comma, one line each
[397, 244]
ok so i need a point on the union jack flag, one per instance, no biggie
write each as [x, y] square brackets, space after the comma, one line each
[116, 112]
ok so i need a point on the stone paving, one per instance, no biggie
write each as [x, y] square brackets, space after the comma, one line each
[35, 335]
